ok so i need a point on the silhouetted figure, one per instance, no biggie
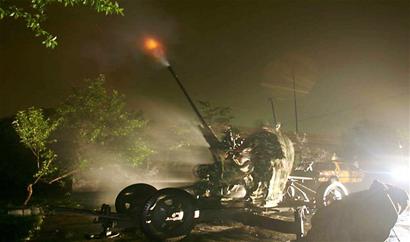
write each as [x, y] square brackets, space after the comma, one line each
[361, 217]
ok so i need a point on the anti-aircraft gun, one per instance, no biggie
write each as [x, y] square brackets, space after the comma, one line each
[271, 150]
[261, 164]
[211, 175]
[246, 177]
[232, 187]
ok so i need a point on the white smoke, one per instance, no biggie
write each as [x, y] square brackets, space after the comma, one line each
[178, 144]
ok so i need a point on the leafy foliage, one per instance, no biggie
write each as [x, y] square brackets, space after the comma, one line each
[34, 13]
[218, 117]
[34, 131]
[91, 124]
[97, 118]
[305, 152]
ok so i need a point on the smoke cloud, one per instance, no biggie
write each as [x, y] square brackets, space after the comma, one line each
[178, 147]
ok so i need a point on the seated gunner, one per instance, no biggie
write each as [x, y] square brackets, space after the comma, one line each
[263, 161]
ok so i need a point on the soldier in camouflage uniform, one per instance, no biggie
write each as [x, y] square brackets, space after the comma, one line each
[263, 161]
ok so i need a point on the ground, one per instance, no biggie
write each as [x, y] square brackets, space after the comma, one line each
[74, 228]
[69, 227]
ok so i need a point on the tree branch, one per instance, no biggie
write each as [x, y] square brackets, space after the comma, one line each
[64, 176]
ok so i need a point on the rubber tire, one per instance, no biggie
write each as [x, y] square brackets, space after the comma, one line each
[324, 187]
[136, 195]
[177, 233]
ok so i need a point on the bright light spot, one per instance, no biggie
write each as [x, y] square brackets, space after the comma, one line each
[155, 48]
[151, 44]
[196, 214]
[400, 174]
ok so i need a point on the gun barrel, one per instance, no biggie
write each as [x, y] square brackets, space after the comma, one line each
[201, 119]
[206, 129]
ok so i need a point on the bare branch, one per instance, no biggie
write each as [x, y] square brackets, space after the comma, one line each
[64, 176]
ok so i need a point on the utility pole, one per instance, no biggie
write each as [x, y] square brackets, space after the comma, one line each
[275, 121]
[295, 102]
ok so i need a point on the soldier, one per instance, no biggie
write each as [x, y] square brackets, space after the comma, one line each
[363, 216]
[265, 158]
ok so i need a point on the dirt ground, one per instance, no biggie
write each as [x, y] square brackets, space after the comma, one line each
[75, 227]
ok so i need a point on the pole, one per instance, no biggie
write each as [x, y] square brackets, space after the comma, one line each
[295, 103]
[275, 121]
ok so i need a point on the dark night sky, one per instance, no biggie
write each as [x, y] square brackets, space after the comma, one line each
[350, 58]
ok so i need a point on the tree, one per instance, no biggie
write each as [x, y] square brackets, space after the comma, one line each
[35, 131]
[34, 13]
[178, 140]
[305, 152]
[91, 121]
[95, 119]
[218, 117]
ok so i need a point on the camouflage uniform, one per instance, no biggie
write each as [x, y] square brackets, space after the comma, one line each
[264, 161]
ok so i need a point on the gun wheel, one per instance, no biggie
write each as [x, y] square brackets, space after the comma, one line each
[133, 197]
[168, 215]
[330, 192]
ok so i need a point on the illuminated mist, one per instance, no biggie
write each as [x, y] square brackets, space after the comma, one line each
[178, 147]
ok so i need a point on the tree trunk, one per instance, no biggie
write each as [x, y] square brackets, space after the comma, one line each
[29, 193]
